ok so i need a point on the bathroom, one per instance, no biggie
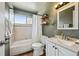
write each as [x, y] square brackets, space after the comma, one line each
[34, 29]
[22, 27]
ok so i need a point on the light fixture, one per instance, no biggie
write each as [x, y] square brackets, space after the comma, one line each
[60, 5]
[55, 6]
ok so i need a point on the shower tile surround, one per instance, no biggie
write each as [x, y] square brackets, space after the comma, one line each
[51, 30]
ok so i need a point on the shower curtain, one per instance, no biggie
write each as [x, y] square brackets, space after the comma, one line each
[11, 25]
[36, 28]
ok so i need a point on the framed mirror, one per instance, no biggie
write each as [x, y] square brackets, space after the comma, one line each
[67, 16]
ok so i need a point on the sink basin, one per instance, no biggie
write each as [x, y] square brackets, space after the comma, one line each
[68, 43]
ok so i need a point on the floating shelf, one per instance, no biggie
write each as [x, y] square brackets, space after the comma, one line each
[45, 19]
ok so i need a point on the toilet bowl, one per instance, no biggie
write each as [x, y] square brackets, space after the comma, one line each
[37, 49]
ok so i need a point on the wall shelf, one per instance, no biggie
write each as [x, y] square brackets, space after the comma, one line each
[45, 19]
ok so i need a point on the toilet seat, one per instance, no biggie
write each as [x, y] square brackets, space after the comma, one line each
[37, 44]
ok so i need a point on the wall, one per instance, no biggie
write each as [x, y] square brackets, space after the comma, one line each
[2, 27]
[17, 11]
[7, 29]
[23, 32]
[51, 30]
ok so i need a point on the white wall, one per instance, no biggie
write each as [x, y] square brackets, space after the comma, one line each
[23, 32]
[2, 27]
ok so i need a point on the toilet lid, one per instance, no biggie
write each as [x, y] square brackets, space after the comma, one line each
[37, 44]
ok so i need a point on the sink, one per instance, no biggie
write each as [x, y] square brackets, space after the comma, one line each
[65, 42]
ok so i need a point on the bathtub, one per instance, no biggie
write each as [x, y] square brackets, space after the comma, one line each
[21, 46]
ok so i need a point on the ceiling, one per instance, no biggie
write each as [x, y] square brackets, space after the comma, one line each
[39, 7]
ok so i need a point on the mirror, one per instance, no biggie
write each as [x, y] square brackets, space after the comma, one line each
[67, 17]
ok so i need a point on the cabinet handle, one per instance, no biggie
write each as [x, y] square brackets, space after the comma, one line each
[56, 51]
[53, 46]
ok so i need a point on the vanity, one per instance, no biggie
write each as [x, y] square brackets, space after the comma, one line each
[67, 19]
[60, 47]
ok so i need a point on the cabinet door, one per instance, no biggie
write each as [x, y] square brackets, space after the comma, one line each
[50, 50]
[64, 52]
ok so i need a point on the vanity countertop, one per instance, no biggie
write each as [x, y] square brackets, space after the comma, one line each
[74, 48]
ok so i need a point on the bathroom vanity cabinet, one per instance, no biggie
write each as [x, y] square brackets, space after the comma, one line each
[50, 50]
[56, 50]
[67, 16]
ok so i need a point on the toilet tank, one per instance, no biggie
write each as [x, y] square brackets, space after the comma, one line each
[43, 39]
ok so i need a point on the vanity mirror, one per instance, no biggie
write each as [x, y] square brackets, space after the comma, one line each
[67, 16]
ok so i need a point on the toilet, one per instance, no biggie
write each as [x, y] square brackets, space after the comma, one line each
[39, 47]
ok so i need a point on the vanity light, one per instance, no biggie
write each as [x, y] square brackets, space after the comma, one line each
[55, 6]
[60, 5]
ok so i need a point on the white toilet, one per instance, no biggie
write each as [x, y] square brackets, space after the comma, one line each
[39, 47]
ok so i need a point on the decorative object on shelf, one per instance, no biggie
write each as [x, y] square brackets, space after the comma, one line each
[60, 5]
[45, 19]
[70, 25]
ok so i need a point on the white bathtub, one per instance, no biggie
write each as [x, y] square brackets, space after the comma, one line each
[21, 46]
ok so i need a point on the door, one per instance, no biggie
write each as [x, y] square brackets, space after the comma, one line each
[2, 28]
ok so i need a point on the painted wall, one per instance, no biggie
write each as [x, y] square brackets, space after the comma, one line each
[2, 27]
[17, 11]
[7, 29]
[51, 30]
[23, 32]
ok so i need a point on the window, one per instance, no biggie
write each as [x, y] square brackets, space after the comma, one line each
[20, 19]
[23, 19]
[29, 20]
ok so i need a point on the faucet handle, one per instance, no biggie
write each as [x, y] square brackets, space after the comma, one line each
[67, 38]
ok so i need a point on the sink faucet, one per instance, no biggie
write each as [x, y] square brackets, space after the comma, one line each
[63, 36]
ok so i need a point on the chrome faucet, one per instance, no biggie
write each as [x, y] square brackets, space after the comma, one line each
[63, 36]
